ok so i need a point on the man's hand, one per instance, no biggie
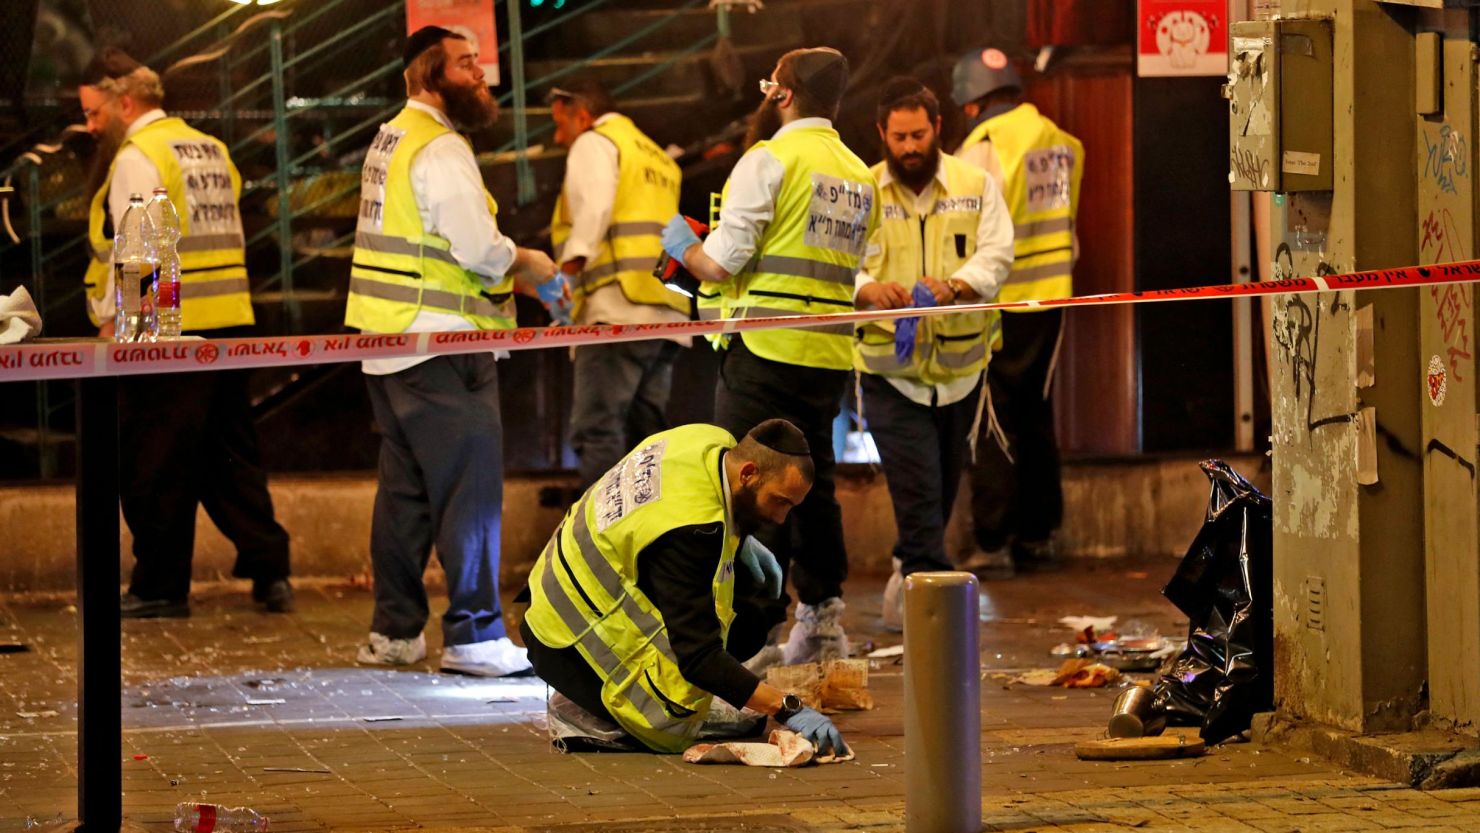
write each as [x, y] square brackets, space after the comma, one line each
[882, 295]
[815, 727]
[678, 237]
[532, 267]
[555, 295]
[940, 289]
[762, 563]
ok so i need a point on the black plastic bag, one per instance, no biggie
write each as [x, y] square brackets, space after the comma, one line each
[1225, 585]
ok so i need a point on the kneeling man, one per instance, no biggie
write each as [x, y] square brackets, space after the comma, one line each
[634, 615]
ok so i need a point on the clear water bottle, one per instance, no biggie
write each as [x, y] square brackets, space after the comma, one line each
[134, 264]
[191, 817]
[166, 240]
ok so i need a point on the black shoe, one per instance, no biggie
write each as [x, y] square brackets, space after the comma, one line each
[276, 596]
[133, 607]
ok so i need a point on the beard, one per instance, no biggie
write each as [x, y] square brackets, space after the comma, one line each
[746, 509]
[764, 124]
[104, 149]
[915, 170]
[470, 108]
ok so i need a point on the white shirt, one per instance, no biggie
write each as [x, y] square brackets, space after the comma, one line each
[448, 187]
[984, 272]
[983, 156]
[133, 173]
[592, 170]
[751, 202]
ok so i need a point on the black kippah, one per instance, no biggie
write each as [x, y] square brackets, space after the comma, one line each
[823, 72]
[109, 62]
[421, 40]
[782, 437]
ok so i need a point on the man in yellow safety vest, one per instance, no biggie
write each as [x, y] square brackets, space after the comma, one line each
[1017, 502]
[188, 438]
[795, 217]
[633, 616]
[945, 237]
[429, 256]
[619, 190]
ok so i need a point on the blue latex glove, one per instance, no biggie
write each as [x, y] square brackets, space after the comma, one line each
[678, 237]
[904, 328]
[555, 295]
[815, 727]
[762, 563]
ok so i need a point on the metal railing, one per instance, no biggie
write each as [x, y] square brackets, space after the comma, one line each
[235, 39]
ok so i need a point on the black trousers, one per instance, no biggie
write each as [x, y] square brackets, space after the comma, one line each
[1021, 498]
[441, 481]
[619, 398]
[188, 439]
[923, 449]
[810, 544]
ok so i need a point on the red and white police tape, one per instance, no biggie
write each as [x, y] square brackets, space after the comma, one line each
[96, 357]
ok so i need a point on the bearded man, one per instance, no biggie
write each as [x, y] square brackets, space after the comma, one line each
[945, 237]
[632, 617]
[188, 438]
[429, 256]
[794, 218]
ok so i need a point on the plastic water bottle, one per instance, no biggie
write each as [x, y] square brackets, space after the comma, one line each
[133, 274]
[191, 817]
[167, 286]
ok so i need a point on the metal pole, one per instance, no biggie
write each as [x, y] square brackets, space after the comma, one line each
[285, 214]
[942, 704]
[1243, 323]
[223, 80]
[524, 174]
[46, 454]
[99, 672]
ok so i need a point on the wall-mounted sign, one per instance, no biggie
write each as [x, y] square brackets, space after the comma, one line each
[473, 19]
[1182, 37]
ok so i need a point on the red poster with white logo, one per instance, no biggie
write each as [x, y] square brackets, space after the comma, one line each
[473, 19]
[1182, 37]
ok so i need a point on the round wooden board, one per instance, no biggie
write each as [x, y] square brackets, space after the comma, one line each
[1139, 749]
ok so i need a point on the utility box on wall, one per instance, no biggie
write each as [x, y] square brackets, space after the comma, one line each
[1280, 97]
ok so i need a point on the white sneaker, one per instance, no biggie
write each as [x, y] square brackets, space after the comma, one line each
[818, 634]
[382, 650]
[765, 659]
[893, 612]
[490, 658]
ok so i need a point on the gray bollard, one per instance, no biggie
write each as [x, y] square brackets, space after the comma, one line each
[942, 704]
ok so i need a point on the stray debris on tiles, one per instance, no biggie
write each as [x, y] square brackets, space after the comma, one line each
[1140, 749]
[886, 653]
[12, 647]
[296, 769]
[784, 749]
[1074, 673]
[31, 715]
[835, 685]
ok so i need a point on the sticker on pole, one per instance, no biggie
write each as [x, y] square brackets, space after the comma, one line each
[1438, 381]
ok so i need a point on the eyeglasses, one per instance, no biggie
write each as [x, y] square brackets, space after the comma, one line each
[767, 85]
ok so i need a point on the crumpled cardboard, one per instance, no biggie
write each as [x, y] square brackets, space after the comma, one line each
[832, 686]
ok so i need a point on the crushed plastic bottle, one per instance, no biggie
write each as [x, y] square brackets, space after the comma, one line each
[134, 264]
[167, 286]
[193, 817]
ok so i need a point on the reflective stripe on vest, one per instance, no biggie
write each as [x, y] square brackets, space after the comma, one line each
[648, 182]
[584, 586]
[399, 268]
[807, 258]
[204, 185]
[946, 347]
[1042, 167]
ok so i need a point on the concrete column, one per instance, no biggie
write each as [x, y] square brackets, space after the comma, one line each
[1349, 571]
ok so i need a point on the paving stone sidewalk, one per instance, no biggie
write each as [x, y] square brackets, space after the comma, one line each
[235, 707]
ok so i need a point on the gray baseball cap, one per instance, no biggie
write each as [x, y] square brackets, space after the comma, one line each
[982, 71]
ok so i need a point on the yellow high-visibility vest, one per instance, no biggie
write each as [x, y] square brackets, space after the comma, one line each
[647, 197]
[205, 188]
[809, 253]
[947, 347]
[1041, 167]
[584, 589]
[399, 267]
